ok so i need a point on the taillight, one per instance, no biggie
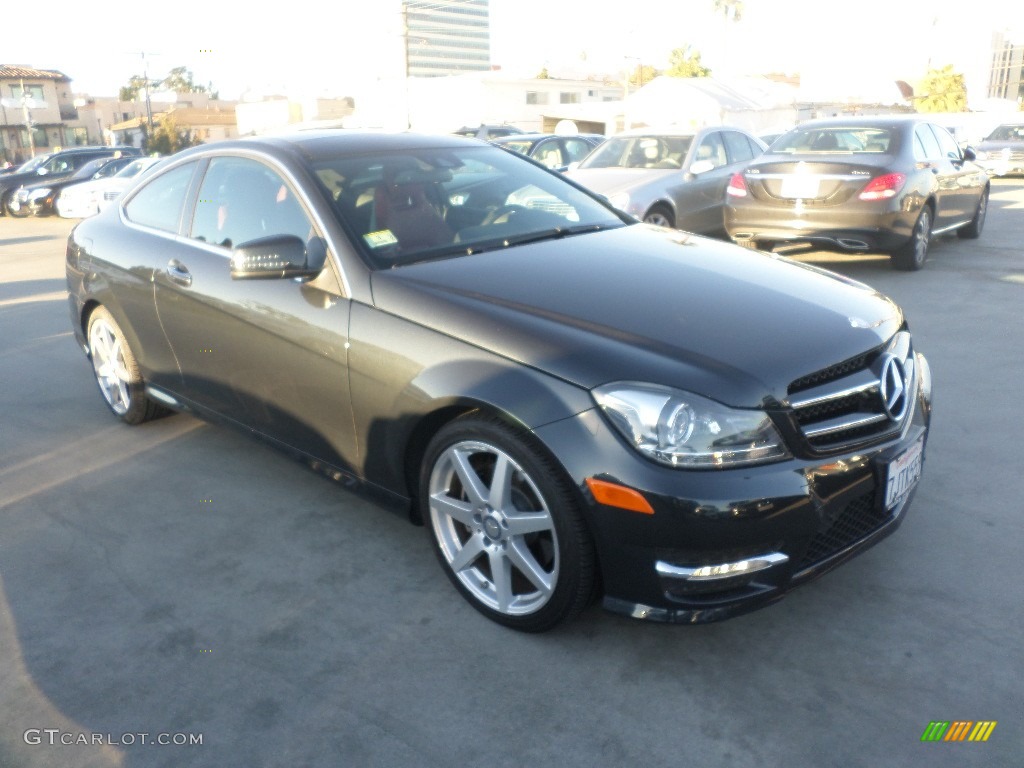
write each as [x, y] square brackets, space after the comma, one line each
[737, 186]
[883, 187]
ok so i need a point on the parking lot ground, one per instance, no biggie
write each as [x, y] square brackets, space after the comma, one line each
[178, 581]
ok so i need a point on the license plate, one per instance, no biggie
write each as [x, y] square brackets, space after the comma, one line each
[902, 474]
[799, 186]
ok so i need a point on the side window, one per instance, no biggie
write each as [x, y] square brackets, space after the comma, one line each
[929, 142]
[158, 204]
[242, 200]
[550, 154]
[950, 149]
[737, 146]
[576, 149]
[712, 148]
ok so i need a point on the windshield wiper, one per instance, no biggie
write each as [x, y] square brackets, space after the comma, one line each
[556, 233]
[471, 249]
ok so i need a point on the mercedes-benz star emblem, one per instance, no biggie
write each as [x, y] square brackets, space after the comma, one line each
[893, 388]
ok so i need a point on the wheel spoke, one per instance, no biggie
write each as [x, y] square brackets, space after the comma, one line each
[501, 576]
[444, 504]
[471, 481]
[500, 495]
[524, 560]
[529, 522]
[468, 554]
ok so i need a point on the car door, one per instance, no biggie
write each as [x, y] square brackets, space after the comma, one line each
[270, 354]
[962, 180]
[700, 197]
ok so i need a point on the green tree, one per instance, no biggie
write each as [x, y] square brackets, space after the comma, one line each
[941, 90]
[180, 80]
[642, 74]
[167, 138]
[543, 74]
[131, 91]
[685, 62]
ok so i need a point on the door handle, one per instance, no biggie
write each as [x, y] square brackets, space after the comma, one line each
[179, 273]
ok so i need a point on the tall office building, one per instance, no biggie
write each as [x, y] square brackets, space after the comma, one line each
[1007, 78]
[447, 37]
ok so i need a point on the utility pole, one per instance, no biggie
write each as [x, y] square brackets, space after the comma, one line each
[28, 120]
[149, 108]
[405, 36]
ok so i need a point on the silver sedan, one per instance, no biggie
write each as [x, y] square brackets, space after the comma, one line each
[672, 179]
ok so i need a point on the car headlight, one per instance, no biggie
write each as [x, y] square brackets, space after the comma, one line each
[620, 201]
[39, 194]
[688, 431]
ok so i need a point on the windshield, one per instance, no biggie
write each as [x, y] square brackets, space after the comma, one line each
[135, 167]
[87, 170]
[1007, 133]
[833, 139]
[640, 152]
[34, 163]
[412, 205]
[517, 145]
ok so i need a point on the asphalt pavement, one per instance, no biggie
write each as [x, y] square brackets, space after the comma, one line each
[178, 582]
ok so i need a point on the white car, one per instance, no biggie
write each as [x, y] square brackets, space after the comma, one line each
[83, 200]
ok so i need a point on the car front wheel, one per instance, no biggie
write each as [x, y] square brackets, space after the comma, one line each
[912, 256]
[660, 216]
[505, 525]
[117, 371]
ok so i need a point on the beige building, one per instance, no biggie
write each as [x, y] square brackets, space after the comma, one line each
[206, 125]
[37, 112]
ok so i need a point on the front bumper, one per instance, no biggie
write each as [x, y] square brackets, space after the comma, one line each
[722, 543]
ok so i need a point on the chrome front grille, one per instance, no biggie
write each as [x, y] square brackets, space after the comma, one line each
[863, 400]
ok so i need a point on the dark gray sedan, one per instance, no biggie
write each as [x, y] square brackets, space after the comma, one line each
[887, 183]
[574, 403]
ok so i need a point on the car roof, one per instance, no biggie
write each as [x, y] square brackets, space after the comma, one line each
[319, 145]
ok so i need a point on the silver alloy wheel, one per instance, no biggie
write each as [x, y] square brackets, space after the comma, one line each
[494, 528]
[109, 364]
[657, 218]
[922, 234]
[979, 216]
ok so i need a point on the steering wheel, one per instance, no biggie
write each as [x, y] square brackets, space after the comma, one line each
[503, 213]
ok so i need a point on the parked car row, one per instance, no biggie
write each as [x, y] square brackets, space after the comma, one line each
[51, 168]
[886, 183]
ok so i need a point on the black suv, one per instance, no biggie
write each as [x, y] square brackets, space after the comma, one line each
[54, 166]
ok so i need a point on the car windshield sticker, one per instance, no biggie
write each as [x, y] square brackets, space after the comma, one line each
[380, 238]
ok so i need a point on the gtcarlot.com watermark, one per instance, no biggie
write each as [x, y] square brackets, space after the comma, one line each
[56, 737]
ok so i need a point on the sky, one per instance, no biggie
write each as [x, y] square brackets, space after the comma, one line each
[314, 48]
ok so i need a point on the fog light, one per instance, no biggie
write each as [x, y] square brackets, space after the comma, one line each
[721, 570]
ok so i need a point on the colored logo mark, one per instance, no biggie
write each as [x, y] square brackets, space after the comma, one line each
[958, 730]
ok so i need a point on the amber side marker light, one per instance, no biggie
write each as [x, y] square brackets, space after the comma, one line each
[614, 495]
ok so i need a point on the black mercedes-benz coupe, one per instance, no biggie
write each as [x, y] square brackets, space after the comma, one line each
[887, 183]
[572, 402]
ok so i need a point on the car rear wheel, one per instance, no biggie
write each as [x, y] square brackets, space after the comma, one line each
[505, 525]
[16, 209]
[973, 230]
[117, 372]
[660, 216]
[912, 256]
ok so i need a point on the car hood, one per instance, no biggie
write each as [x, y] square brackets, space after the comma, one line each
[639, 303]
[611, 181]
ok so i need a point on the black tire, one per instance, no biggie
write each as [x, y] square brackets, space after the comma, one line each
[660, 215]
[117, 371]
[521, 554]
[973, 230]
[20, 212]
[912, 256]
